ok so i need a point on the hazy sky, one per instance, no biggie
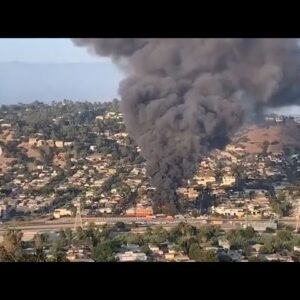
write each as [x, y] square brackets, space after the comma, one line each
[45, 51]
[54, 69]
[94, 78]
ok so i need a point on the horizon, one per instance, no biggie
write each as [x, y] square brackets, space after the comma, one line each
[100, 84]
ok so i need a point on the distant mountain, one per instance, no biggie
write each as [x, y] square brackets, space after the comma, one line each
[27, 82]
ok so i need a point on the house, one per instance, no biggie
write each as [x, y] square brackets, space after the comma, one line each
[100, 118]
[278, 257]
[105, 210]
[32, 141]
[112, 171]
[61, 212]
[121, 134]
[205, 179]
[89, 193]
[297, 248]
[139, 211]
[59, 144]
[228, 180]
[169, 256]
[103, 200]
[182, 258]
[131, 256]
[224, 243]
[6, 125]
[153, 248]
[256, 247]
[68, 144]
[50, 143]
[84, 260]
[228, 211]
[41, 143]
[190, 193]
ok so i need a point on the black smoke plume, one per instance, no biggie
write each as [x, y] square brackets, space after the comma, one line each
[183, 97]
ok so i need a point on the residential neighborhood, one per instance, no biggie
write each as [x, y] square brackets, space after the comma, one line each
[57, 158]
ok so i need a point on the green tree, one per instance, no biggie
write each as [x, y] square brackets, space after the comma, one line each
[284, 236]
[103, 252]
[198, 254]
[39, 241]
[57, 253]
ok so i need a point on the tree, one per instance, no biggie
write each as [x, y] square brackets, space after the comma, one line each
[249, 233]
[145, 248]
[62, 237]
[57, 253]
[120, 226]
[69, 236]
[284, 235]
[103, 252]
[268, 247]
[11, 250]
[39, 241]
[195, 213]
[198, 254]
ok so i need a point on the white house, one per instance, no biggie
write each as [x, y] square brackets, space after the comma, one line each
[131, 256]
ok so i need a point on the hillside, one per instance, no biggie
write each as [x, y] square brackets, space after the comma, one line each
[277, 136]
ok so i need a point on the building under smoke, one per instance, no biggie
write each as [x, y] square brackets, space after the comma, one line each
[183, 97]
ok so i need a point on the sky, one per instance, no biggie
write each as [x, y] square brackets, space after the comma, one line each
[54, 69]
[46, 50]
[48, 69]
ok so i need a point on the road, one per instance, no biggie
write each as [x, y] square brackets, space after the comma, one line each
[46, 226]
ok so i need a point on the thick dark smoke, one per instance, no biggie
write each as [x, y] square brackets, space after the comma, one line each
[183, 97]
